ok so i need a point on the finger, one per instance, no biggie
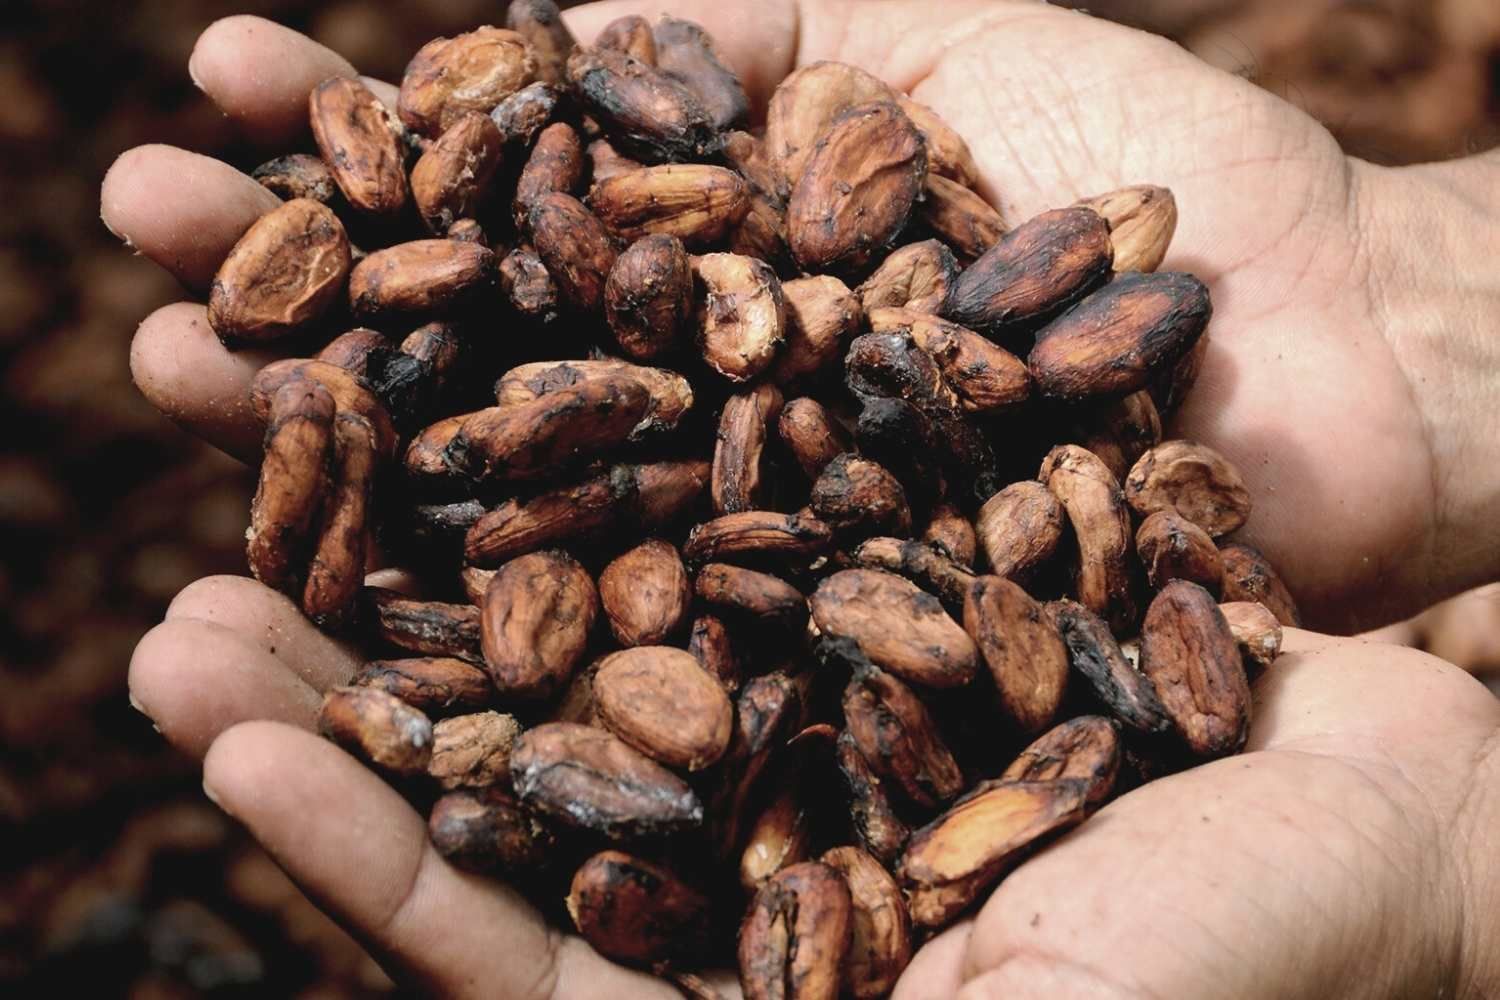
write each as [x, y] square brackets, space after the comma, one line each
[360, 851]
[194, 679]
[936, 970]
[181, 367]
[270, 621]
[260, 73]
[182, 210]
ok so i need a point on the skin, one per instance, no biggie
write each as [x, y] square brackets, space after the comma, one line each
[1350, 853]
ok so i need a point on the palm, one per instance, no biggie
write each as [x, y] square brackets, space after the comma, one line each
[1056, 107]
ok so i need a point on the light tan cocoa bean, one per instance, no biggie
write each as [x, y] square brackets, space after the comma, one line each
[660, 700]
[1096, 509]
[281, 276]
[698, 203]
[915, 278]
[1142, 220]
[948, 154]
[741, 314]
[473, 751]
[1193, 480]
[1020, 528]
[630, 34]
[378, 728]
[950, 862]
[475, 71]
[536, 619]
[1256, 630]
[645, 594]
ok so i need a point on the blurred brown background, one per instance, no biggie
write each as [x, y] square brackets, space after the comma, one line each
[121, 878]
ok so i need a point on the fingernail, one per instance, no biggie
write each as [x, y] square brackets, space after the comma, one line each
[192, 69]
[213, 796]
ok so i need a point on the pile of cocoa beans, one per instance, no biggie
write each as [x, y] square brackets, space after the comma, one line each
[790, 544]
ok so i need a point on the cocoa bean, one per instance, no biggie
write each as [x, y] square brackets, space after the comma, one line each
[436, 685]
[697, 203]
[379, 728]
[711, 645]
[805, 104]
[424, 276]
[645, 594]
[1173, 548]
[898, 626]
[297, 175]
[541, 24]
[960, 218]
[921, 562]
[952, 534]
[1249, 576]
[917, 278]
[473, 751]
[1086, 748]
[528, 286]
[486, 830]
[811, 435]
[359, 352]
[879, 828]
[779, 837]
[686, 53]
[1257, 632]
[1195, 481]
[880, 941]
[648, 296]
[631, 910]
[575, 248]
[1022, 649]
[671, 396]
[361, 143]
[899, 738]
[522, 116]
[1141, 221]
[1128, 694]
[1190, 655]
[821, 317]
[660, 700]
[555, 165]
[336, 570]
[765, 600]
[282, 275]
[793, 941]
[985, 377]
[741, 314]
[454, 173]
[948, 154]
[1096, 510]
[1121, 430]
[428, 628]
[631, 35]
[538, 611]
[588, 779]
[744, 425]
[857, 498]
[649, 116]
[475, 71]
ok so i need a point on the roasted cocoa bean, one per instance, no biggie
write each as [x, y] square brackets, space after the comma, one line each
[486, 830]
[1191, 657]
[436, 685]
[1195, 481]
[589, 779]
[1128, 694]
[779, 837]
[794, 939]
[454, 173]
[1173, 548]
[449, 77]
[899, 738]
[1086, 748]
[634, 911]
[921, 562]
[297, 175]
[697, 203]
[960, 217]
[744, 425]
[379, 728]
[661, 701]
[822, 315]
[522, 116]
[1142, 220]
[880, 943]
[645, 594]
[541, 24]
[758, 597]
[952, 534]
[528, 286]
[805, 104]
[1249, 576]
[555, 165]
[424, 276]
[916, 278]
[741, 314]
[361, 143]
[948, 154]
[986, 377]
[1037, 270]
[337, 568]
[538, 611]
[649, 116]
[759, 536]
[428, 628]
[293, 483]
[1020, 529]
[671, 394]
[711, 645]
[1022, 648]
[811, 435]
[575, 248]
[1257, 632]
[879, 828]
[648, 296]
[281, 276]
[857, 498]
[1096, 510]
[900, 627]
[686, 53]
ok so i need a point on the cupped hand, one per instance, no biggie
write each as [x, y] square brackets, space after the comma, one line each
[1342, 837]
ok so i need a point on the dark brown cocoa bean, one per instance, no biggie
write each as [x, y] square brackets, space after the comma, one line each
[879, 828]
[630, 34]
[1096, 509]
[686, 53]
[880, 943]
[811, 434]
[297, 175]
[522, 116]
[575, 248]
[671, 394]
[648, 115]
[1190, 655]
[960, 217]
[1086, 748]
[475, 71]
[915, 278]
[361, 143]
[858, 498]
[899, 738]
[436, 685]
[761, 598]
[986, 377]
[1173, 548]
[741, 314]
[711, 645]
[486, 830]
[541, 24]
[631, 910]
[805, 104]
[1022, 648]
[454, 174]
[648, 297]
[427, 628]
[293, 483]
[1128, 694]
[744, 425]
[794, 939]
[337, 568]
[900, 627]
[821, 316]
[1020, 529]
[555, 165]
[424, 276]
[698, 203]
[952, 534]
[921, 562]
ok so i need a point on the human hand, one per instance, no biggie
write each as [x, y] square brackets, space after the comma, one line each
[1056, 107]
